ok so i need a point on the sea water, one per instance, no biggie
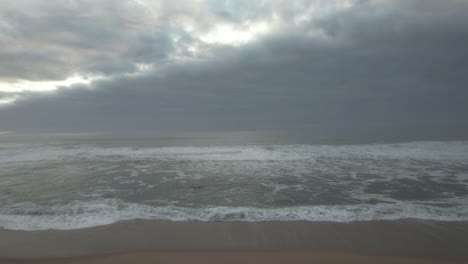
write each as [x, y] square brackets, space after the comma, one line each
[78, 181]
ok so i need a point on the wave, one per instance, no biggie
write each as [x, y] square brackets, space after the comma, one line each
[79, 214]
[435, 150]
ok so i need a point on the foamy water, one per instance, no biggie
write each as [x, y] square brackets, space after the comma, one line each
[68, 185]
[95, 213]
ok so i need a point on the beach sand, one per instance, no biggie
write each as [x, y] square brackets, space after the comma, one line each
[236, 257]
[151, 241]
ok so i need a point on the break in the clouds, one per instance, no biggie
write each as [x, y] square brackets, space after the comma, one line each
[205, 64]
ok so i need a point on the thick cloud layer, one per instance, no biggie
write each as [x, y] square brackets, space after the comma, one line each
[354, 64]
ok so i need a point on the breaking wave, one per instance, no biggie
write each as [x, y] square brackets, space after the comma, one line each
[80, 214]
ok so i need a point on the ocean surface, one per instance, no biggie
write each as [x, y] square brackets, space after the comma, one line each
[78, 181]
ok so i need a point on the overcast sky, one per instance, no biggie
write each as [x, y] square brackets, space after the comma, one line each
[149, 65]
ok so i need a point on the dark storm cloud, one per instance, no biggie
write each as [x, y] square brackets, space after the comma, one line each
[391, 63]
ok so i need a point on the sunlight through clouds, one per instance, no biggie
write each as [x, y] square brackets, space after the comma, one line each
[230, 35]
[44, 86]
[217, 62]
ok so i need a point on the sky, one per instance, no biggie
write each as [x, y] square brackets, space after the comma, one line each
[165, 65]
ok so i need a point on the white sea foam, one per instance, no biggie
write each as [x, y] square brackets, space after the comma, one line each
[78, 215]
[298, 162]
[413, 150]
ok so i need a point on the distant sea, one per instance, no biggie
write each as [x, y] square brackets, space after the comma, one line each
[84, 180]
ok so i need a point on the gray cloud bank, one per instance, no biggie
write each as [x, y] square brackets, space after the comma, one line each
[395, 64]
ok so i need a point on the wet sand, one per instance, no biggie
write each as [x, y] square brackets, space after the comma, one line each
[270, 257]
[150, 241]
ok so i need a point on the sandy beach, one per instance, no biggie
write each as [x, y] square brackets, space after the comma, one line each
[146, 241]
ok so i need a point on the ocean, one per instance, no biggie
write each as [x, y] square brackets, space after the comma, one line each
[85, 180]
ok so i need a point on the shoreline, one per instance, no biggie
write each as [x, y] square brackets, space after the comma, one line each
[398, 239]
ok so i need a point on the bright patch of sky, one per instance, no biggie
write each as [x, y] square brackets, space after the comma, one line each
[43, 86]
[231, 35]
